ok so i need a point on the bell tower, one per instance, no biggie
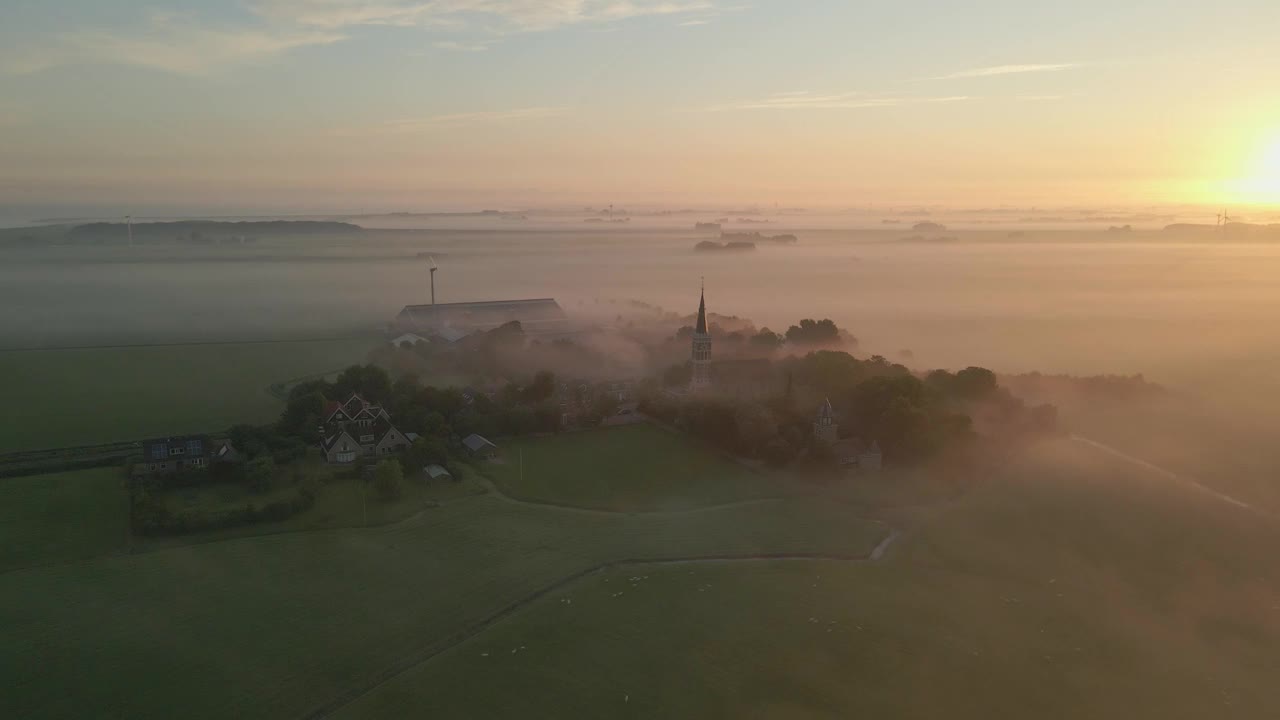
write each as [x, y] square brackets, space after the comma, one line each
[701, 349]
[825, 428]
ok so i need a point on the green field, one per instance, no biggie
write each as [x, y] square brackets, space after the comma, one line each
[1072, 587]
[342, 503]
[627, 469]
[286, 622]
[62, 517]
[101, 395]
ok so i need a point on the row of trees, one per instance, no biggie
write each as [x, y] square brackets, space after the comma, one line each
[912, 418]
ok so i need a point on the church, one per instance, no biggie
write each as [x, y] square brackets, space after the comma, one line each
[850, 454]
[744, 379]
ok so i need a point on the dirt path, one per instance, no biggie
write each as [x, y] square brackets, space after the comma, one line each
[1169, 474]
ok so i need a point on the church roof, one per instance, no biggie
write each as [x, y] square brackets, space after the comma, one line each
[701, 327]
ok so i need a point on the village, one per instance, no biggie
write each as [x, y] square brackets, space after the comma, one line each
[766, 407]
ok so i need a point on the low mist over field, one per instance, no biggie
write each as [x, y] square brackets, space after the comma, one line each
[679, 359]
[1017, 299]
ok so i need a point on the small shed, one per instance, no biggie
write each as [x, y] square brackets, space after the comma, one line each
[480, 447]
[437, 472]
[410, 338]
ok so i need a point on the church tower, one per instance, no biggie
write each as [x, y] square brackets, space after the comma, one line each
[824, 426]
[701, 349]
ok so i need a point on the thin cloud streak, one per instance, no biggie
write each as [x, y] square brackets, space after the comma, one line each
[167, 44]
[1005, 70]
[496, 15]
[800, 100]
[466, 118]
[460, 46]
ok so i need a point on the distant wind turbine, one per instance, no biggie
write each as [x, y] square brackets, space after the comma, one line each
[434, 267]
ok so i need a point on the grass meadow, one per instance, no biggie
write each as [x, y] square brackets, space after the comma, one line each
[62, 517]
[286, 622]
[101, 395]
[1069, 585]
[1072, 586]
[634, 468]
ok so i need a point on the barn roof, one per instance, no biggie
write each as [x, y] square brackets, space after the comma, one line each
[485, 313]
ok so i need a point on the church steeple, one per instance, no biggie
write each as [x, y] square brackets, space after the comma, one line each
[701, 327]
[701, 348]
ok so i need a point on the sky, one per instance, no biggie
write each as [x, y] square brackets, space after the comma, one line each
[455, 104]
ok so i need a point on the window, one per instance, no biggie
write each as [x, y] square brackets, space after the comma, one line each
[197, 462]
[366, 438]
[193, 447]
[159, 450]
[176, 450]
[152, 467]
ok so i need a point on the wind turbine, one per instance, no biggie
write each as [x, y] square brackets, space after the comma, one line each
[434, 267]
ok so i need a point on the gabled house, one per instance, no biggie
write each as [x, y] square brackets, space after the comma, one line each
[358, 428]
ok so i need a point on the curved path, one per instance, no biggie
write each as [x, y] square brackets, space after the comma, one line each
[457, 638]
[476, 628]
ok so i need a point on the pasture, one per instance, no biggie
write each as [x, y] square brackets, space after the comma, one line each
[62, 517]
[1070, 587]
[100, 395]
[635, 468]
[289, 622]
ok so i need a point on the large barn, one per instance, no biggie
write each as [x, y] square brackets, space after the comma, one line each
[536, 316]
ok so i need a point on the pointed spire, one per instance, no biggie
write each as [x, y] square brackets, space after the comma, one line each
[701, 327]
[826, 411]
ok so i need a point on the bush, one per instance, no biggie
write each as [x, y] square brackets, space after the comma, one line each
[388, 479]
[260, 473]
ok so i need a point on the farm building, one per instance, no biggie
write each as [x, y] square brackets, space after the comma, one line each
[436, 472]
[358, 428]
[539, 316]
[480, 447]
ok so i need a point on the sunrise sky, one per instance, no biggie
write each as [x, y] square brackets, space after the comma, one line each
[406, 104]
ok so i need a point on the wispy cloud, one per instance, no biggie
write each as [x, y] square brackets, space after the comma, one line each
[804, 100]
[498, 15]
[189, 46]
[468, 118]
[1004, 70]
[461, 46]
[165, 43]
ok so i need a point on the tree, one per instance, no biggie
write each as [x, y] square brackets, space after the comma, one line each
[369, 381]
[542, 387]
[975, 383]
[260, 473]
[756, 427]
[301, 416]
[767, 339]
[388, 479]
[813, 332]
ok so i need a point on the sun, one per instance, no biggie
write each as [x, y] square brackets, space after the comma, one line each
[1269, 162]
[1259, 181]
